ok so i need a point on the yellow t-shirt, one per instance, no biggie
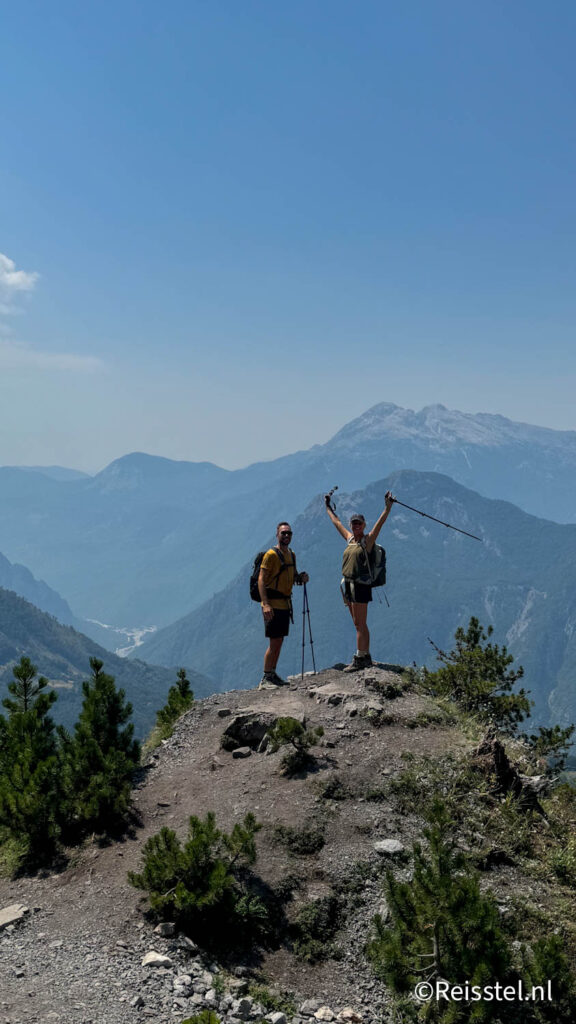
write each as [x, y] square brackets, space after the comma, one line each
[272, 565]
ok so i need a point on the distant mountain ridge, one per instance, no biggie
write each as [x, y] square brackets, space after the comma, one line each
[148, 539]
[63, 655]
[54, 472]
[521, 580]
[20, 580]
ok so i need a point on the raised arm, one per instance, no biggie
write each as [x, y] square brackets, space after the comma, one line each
[371, 537]
[341, 529]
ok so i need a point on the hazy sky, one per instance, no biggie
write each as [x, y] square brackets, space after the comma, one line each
[230, 226]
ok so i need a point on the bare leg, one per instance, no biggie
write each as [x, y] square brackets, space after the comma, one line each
[359, 613]
[273, 653]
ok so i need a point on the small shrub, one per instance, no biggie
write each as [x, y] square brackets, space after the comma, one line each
[218, 985]
[377, 796]
[292, 733]
[284, 889]
[272, 1001]
[390, 691]
[333, 789]
[563, 862]
[354, 882]
[316, 924]
[302, 841]
[378, 718]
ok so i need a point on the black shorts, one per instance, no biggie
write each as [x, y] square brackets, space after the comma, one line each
[356, 593]
[279, 623]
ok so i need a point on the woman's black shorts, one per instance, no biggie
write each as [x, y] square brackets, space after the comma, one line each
[356, 593]
[279, 623]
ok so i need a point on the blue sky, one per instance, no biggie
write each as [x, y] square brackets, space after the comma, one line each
[230, 226]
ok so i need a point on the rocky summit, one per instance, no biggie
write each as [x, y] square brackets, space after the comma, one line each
[78, 945]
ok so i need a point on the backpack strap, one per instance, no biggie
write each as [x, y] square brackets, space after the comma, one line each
[271, 591]
[367, 557]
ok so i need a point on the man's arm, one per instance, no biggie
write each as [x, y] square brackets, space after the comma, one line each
[267, 610]
[341, 529]
[371, 537]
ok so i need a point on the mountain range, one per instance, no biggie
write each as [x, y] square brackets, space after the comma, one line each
[63, 655]
[148, 539]
[521, 578]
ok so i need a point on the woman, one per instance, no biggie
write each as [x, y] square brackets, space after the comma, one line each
[357, 594]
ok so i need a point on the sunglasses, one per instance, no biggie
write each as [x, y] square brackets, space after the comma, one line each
[285, 533]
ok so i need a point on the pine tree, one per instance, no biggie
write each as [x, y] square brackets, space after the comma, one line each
[553, 744]
[547, 963]
[30, 792]
[180, 698]
[199, 883]
[477, 676]
[441, 927]
[101, 756]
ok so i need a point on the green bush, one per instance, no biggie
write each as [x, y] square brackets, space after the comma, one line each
[203, 884]
[302, 841]
[271, 1001]
[333, 789]
[563, 862]
[316, 924]
[292, 733]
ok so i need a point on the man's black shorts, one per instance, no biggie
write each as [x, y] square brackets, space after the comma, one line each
[279, 624]
[357, 593]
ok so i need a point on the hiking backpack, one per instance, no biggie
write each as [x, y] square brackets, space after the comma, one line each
[270, 592]
[377, 563]
[369, 567]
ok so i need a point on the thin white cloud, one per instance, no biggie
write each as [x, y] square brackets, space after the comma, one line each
[13, 281]
[15, 355]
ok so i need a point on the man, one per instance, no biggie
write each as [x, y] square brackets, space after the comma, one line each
[275, 581]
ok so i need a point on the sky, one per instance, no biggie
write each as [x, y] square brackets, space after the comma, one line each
[228, 227]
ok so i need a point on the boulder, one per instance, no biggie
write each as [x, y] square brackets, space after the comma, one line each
[247, 730]
[154, 959]
[389, 847]
[12, 914]
[310, 1006]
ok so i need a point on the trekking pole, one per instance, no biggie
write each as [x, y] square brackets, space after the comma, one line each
[441, 521]
[306, 612]
[303, 630]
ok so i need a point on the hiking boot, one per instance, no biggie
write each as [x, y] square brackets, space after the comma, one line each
[277, 680]
[359, 661]
[266, 683]
[271, 681]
